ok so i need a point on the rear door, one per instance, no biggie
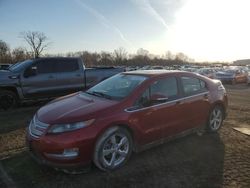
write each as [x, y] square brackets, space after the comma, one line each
[195, 101]
[70, 75]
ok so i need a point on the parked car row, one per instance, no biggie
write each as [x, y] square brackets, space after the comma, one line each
[232, 75]
[227, 74]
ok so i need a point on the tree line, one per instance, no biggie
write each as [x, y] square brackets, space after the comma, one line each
[38, 42]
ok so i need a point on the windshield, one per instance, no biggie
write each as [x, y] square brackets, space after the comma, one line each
[117, 87]
[20, 66]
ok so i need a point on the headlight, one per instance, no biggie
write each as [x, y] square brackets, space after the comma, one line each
[60, 128]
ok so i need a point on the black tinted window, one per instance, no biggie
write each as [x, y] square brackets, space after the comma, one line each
[67, 65]
[45, 66]
[192, 85]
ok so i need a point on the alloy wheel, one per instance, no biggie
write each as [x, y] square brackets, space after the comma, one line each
[115, 150]
[216, 118]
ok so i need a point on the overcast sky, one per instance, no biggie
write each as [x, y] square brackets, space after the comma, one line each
[206, 30]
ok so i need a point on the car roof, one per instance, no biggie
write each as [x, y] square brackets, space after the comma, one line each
[54, 58]
[153, 73]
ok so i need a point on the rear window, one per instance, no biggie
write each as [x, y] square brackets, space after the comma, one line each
[193, 85]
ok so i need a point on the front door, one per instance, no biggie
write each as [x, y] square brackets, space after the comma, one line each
[157, 112]
[43, 83]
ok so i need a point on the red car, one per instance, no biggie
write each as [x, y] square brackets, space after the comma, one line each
[128, 112]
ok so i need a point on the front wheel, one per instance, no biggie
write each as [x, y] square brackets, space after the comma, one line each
[8, 99]
[215, 119]
[113, 149]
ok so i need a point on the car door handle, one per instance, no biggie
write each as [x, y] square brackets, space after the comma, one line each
[205, 96]
[178, 102]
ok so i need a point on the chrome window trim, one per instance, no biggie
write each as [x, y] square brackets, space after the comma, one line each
[62, 156]
[169, 102]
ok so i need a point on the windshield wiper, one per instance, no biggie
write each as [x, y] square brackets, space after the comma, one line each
[99, 94]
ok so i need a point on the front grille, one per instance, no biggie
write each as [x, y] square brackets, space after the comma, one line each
[37, 128]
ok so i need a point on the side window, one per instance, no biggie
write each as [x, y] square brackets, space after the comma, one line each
[45, 66]
[193, 85]
[165, 87]
[160, 91]
[67, 65]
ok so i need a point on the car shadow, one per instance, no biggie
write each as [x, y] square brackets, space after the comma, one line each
[191, 161]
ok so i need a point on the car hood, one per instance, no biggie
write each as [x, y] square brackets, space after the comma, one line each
[74, 108]
[4, 74]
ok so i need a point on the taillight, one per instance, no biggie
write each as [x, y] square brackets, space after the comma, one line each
[221, 87]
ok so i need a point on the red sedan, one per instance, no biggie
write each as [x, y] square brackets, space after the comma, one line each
[128, 112]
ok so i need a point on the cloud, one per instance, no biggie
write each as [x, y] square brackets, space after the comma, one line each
[104, 21]
[147, 7]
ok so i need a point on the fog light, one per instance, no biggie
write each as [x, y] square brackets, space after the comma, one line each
[72, 152]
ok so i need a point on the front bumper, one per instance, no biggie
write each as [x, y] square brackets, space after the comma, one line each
[49, 152]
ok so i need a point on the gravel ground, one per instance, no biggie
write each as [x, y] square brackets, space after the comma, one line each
[212, 160]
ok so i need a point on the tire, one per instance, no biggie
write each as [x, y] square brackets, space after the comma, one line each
[8, 99]
[215, 119]
[117, 144]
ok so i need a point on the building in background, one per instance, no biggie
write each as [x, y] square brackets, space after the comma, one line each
[242, 62]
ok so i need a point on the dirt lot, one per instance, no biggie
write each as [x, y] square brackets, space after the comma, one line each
[212, 160]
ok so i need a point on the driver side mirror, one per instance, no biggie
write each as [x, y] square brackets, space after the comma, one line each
[31, 71]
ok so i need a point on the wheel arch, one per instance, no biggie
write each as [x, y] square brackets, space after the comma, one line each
[222, 105]
[10, 88]
[122, 125]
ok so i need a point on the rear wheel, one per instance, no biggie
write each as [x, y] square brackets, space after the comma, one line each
[113, 149]
[8, 99]
[215, 119]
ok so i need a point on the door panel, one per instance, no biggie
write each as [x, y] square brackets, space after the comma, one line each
[70, 76]
[43, 84]
[196, 110]
[158, 118]
[195, 101]
[39, 86]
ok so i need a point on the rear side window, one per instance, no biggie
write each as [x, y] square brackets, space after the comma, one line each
[167, 87]
[193, 85]
[67, 65]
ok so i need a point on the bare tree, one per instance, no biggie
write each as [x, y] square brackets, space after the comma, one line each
[142, 52]
[169, 55]
[106, 58]
[182, 57]
[4, 48]
[5, 56]
[37, 41]
[120, 55]
[20, 54]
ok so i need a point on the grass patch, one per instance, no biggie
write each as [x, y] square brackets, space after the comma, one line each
[16, 119]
